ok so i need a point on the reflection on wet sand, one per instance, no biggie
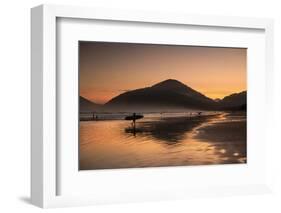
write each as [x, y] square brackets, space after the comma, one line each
[228, 134]
[167, 130]
[163, 141]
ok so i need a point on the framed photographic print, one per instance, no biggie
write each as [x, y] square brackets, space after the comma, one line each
[130, 106]
[135, 111]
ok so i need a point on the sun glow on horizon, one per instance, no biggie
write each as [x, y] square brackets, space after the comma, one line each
[109, 69]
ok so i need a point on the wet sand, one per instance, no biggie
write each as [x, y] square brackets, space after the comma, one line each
[228, 134]
[163, 141]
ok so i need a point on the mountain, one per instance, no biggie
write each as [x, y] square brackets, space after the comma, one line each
[166, 95]
[236, 101]
[87, 105]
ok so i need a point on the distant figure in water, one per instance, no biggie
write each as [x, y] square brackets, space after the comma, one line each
[199, 113]
[94, 116]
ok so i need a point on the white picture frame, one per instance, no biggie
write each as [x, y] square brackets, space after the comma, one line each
[45, 167]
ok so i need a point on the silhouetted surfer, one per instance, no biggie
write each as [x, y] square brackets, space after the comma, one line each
[133, 118]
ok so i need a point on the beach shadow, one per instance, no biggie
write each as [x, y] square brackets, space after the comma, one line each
[171, 131]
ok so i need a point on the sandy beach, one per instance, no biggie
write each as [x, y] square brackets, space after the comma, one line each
[228, 134]
[163, 140]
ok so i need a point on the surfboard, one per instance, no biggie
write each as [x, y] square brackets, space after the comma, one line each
[133, 117]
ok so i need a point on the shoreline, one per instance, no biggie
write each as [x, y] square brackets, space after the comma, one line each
[229, 135]
[121, 116]
[176, 141]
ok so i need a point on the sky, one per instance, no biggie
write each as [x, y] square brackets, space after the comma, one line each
[107, 69]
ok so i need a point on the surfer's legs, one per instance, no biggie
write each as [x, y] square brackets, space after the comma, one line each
[134, 123]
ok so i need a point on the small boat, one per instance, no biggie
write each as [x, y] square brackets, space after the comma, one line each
[133, 117]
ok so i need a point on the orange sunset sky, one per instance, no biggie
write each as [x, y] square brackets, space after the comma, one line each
[108, 69]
